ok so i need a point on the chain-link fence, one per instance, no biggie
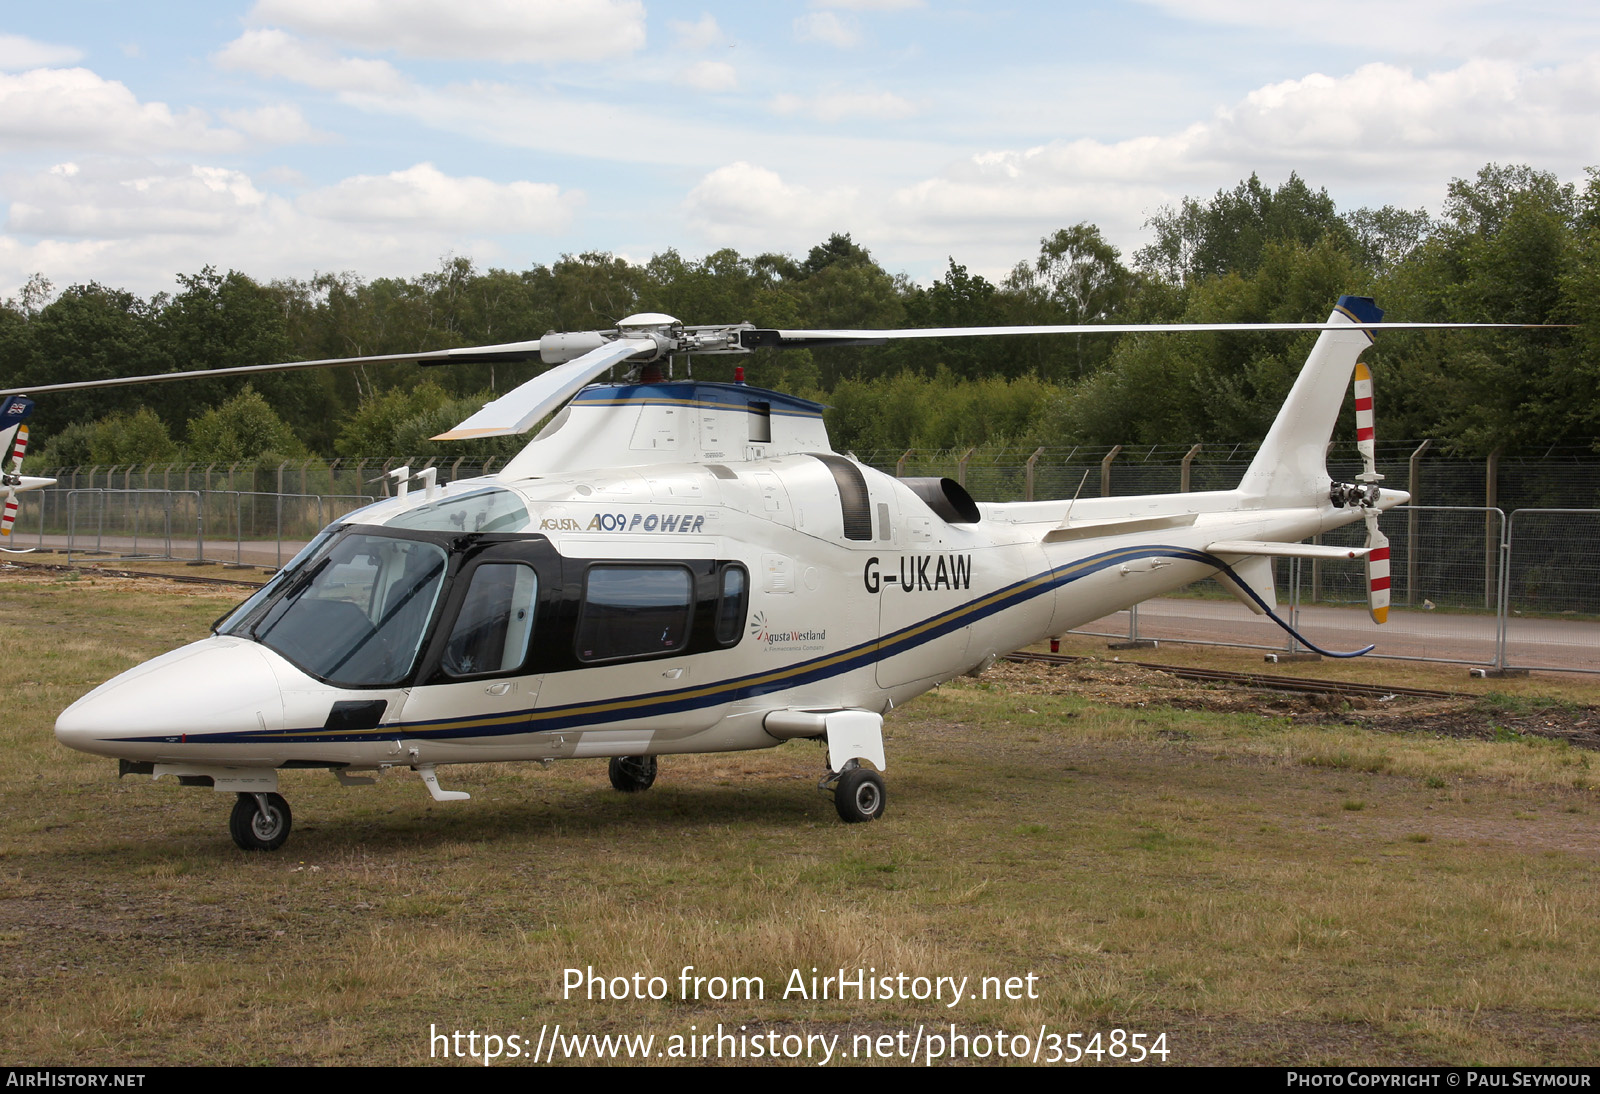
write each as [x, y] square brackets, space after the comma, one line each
[1469, 585]
[242, 527]
[306, 477]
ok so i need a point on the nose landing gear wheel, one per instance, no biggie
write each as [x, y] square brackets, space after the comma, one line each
[631, 774]
[260, 822]
[859, 796]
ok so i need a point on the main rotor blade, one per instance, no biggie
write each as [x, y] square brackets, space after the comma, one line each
[518, 410]
[466, 355]
[799, 339]
[756, 338]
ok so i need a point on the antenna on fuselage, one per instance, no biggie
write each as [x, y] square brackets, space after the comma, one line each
[1068, 514]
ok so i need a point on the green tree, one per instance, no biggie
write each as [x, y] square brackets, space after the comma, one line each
[1506, 251]
[243, 428]
[374, 429]
[959, 299]
[1078, 278]
[1229, 233]
[91, 332]
[229, 321]
[120, 439]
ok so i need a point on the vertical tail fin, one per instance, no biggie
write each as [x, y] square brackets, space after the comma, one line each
[1292, 464]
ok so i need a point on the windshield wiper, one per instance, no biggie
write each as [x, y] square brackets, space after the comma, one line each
[298, 585]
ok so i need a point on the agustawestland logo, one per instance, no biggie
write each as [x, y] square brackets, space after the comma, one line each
[774, 639]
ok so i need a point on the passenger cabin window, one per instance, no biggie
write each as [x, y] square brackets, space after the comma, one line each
[495, 624]
[731, 604]
[634, 611]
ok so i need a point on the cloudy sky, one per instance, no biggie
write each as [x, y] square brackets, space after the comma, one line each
[285, 137]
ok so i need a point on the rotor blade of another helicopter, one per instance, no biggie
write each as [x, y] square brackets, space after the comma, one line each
[466, 355]
[519, 409]
[799, 339]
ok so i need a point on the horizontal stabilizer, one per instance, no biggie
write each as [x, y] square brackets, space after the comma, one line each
[1253, 575]
[1285, 550]
[520, 410]
[1101, 528]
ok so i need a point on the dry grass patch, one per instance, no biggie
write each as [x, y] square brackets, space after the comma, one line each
[1193, 871]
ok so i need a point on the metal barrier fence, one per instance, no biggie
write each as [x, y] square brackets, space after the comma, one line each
[142, 522]
[1471, 586]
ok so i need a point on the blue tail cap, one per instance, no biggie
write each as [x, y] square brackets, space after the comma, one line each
[1361, 308]
[14, 410]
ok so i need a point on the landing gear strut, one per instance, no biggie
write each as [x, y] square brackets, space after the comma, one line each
[631, 774]
[260, 822]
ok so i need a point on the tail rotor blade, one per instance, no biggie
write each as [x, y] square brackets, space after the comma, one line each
[1366, 432]
[8, 516]
[1377, 570]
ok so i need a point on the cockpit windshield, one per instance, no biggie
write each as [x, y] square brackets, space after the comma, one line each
[356, 616]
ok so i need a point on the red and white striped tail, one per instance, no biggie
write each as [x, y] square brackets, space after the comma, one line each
[9, 517]
[1366, 431]
[1377, 570]
[20, 448]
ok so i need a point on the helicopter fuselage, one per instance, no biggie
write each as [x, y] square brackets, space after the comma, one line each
[640, 611]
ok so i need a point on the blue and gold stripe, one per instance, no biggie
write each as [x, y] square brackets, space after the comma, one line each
[751, 685]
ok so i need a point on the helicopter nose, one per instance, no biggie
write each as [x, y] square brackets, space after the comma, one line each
[217, 686]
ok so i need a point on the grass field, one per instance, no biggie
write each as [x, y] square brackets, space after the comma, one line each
[1260, 888]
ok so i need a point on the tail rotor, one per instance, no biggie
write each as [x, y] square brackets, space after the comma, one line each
[1366, 496]
[12, 478]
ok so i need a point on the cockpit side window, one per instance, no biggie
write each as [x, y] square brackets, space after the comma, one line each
[494, 627]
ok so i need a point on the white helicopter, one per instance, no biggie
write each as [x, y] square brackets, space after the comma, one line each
[681, 567]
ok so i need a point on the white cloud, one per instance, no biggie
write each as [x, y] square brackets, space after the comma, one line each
[17, 52]
[838, 106]
[54, 107]
[754, 209]
[709, 76]
[132, 223]
[1380, 118]
[1417, 27]
[274, 53]
[703, 33]
[1380, 134]
[115, 199]
[828, 28]
[540, 31]
[280, 123]
[869, 5]
[423, 196]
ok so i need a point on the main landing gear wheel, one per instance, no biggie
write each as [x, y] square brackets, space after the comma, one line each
[859, 795]
[631, 774]
[260, 822]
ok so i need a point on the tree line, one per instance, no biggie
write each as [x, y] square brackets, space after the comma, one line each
[1512, 244]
